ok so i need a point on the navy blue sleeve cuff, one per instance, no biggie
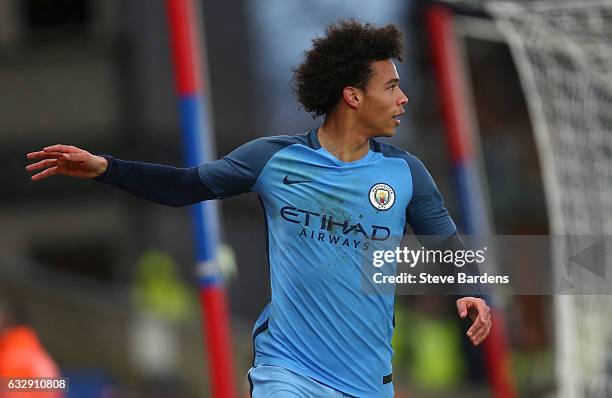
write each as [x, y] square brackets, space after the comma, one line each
[454, 243]
[104, 177]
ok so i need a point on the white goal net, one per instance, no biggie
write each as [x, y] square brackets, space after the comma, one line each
[563, 52]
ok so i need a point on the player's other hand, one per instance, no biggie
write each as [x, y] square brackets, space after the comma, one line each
[67, 160]
[479, 312]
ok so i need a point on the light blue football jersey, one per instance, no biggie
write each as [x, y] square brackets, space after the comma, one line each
[324, 218]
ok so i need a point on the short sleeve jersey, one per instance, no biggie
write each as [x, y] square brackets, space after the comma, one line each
[324, 217]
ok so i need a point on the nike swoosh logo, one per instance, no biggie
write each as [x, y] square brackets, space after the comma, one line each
[287, 181]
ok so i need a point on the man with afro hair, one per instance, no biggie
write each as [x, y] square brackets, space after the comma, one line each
[332, 197]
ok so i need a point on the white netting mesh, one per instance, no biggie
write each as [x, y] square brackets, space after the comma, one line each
[563, 51]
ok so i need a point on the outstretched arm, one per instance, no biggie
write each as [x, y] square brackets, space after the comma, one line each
[233, 174]
[166, 185]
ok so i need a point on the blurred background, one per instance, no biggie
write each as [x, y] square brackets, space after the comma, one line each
[107, 280]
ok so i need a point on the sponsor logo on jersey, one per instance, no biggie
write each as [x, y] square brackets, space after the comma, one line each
[382, 196]
[331, 224]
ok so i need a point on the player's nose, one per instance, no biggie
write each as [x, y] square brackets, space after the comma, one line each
[403, 100]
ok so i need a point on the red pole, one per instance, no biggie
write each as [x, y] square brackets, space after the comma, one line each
[184, 21]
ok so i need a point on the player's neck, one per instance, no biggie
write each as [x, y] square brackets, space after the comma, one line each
[342, 139]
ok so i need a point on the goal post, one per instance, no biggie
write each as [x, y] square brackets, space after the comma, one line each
[562, 50]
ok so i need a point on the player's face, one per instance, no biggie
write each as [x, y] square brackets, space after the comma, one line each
[383, 101]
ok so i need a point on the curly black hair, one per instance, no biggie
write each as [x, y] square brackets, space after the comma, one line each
[343, 57]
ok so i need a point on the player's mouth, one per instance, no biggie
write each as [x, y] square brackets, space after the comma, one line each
[396, 118]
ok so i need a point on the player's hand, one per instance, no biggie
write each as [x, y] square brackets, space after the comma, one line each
[67, 160]
[479, 312]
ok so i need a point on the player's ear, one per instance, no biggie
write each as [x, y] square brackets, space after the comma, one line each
[352, 96]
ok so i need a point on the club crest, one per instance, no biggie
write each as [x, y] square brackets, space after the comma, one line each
[382, 196]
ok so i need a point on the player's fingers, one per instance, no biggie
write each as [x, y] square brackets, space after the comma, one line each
[41, 164]
[485, 334]
[61, 148]
[477, 338]
[473, 335]
[482, 333]
[479, 332]
[43, 155]
[489, 325]
[476, 328]
[44, 174]
[479, 311]
[462, 308]
[484, 312]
